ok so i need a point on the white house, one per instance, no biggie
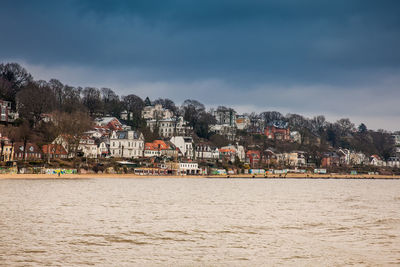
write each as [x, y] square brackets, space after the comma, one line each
[238, 149]
[156, 112]
[205, 151]
[225, 130]
[88, 147]
[170, 126]
[393, 162]
[103, 147]
[375, 160]
[185, 145]
[126, 144]
[242, 122]
[188, 168]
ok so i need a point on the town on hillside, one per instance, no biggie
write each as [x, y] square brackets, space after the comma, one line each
[49, 127]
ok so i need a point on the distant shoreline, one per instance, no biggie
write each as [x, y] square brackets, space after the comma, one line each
[236, 176]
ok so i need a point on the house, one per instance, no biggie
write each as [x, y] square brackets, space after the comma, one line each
[188, 168]
[6, 114]
[225, 122]
[88, 147]
[225, 116]
[375, 160]
[234, 151]
[393, 162]
[396, 144]
[47, 117]
[344, 156]
[295, 137]
[330, 159]
[257, 125]
[184, 144]
[156, 112]
[111, 123]
[94, 133]
[205, 151]
[278, 130]
[358, 158]
[32, 151]
[292, 159]
[125, 115]
[6, 149]
[227, 154]
[54, 151]
[270, 157]
[242, 122]
[225, 130]
[253, 157]
[126, 144]
[170, 126]
[159, 148]
[103, 147]
[65, 141]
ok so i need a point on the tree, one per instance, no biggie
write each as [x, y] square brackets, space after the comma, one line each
[318, 124]
[203, 124]
[58, 90]
[17, 76]
[166, 103]
[345, 126]
[72, 127]
[72, 101]
[270, 116]
[111, 102]
[362, 128]
[133, 104]
[92, 100]
[147, 102]
[191, 111]
[34, 100]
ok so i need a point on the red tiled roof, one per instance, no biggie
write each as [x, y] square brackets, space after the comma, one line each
[156, 145]
[54, 149]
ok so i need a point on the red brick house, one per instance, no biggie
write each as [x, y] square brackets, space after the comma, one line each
[54, 151]
[277, 131]
[330, 159]
[32, 151]
[253, 157]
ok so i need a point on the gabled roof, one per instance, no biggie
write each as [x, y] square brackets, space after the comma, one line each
[54, 149]
[30, 148]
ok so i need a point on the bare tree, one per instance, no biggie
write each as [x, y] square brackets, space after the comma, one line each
[92, 100]
[18, 78]
[34, 100]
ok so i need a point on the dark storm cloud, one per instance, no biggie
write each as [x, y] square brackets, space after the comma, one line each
[246, 48]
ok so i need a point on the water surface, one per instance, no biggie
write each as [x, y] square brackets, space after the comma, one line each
[199, 222]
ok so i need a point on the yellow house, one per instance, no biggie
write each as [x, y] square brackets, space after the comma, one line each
[6, 149]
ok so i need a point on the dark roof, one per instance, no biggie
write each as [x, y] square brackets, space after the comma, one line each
[279, 124]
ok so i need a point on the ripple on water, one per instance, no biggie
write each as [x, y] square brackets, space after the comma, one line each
[112, 222]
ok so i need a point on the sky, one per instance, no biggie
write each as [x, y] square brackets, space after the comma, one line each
[337, 58]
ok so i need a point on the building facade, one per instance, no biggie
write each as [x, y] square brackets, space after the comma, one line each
[156, 112]
[169, 127]
[6, 114]
[184, 144]
[126, 144]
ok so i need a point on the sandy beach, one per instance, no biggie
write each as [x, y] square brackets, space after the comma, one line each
[276, 176]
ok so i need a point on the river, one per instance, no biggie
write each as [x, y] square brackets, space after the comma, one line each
[199, 222]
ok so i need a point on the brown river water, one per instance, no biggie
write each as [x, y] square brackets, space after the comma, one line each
[199, 222]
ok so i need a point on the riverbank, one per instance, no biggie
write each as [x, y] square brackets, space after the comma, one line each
[237, 176]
